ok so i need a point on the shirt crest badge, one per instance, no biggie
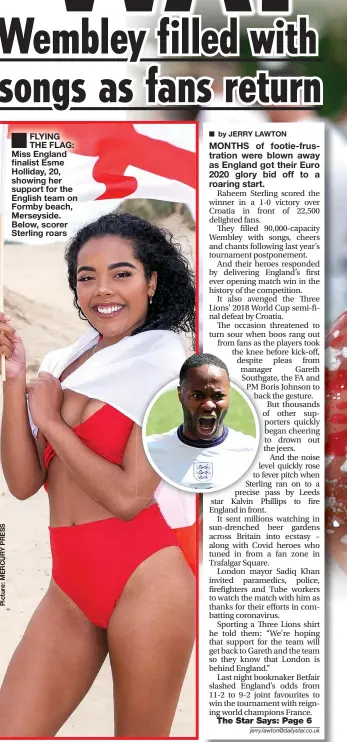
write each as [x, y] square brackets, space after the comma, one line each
[203, 471]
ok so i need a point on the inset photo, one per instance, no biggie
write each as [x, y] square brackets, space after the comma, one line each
[201, 432]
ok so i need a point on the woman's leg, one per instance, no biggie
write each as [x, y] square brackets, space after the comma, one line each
[150, 639]
[51, 670]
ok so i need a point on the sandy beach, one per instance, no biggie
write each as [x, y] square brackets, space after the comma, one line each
[39, 301]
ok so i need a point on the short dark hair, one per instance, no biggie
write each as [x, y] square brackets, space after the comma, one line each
[202, 359]
[173, 306]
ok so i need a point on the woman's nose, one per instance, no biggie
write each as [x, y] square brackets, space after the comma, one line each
[103, 290]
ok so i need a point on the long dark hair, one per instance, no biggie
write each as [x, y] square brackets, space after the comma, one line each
[173, 306]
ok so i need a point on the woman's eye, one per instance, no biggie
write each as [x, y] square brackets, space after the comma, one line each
[122, 274]
[84, 278]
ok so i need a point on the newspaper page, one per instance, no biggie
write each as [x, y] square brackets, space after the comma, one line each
[263, 613]
[172, 251]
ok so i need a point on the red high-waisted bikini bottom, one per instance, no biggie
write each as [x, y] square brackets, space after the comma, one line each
[92, 562]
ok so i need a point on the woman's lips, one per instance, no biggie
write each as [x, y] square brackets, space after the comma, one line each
[108, 311]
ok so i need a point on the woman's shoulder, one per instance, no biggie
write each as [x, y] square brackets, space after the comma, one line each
[55, 358]
[51, 359]
[161, 348]
[165, 339]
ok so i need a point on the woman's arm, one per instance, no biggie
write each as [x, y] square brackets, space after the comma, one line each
[123, 490]
[20, 461]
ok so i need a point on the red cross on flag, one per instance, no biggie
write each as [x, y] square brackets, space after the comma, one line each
[124, 160]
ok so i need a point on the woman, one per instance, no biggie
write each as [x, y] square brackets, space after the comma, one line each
[120, 581]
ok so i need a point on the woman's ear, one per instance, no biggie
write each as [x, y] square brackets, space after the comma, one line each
[152, 283]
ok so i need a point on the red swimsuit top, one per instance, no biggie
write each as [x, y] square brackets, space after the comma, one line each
[106, 432]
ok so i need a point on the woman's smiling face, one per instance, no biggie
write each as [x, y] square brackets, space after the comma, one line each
[112, 288]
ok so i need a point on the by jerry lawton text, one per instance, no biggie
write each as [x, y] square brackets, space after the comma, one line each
[2, 565]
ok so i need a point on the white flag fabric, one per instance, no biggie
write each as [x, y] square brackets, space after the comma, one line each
[120, 160]
[126, 375]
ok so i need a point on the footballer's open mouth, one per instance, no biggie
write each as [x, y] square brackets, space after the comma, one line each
[206, 426]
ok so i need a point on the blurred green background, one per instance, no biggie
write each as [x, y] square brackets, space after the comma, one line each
[166, 414]
[331, 67]
[328, 17]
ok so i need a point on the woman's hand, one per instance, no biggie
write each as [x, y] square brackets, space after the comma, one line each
[12, 348]
[45, 397]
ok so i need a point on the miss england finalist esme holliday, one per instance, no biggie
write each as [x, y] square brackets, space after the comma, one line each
[120, 582]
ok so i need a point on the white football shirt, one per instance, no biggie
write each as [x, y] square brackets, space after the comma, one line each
[198, 465]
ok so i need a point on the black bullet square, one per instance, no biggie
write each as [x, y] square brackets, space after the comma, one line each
[19, 140]
[211, 133]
